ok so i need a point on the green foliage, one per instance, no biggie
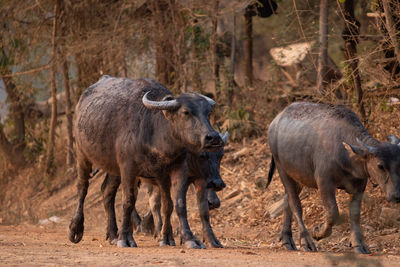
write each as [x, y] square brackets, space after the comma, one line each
[5, 61]
[384, 106]
[196, 35]
[239, 123]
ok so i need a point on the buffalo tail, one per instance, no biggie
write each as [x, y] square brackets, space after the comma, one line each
[271, 171]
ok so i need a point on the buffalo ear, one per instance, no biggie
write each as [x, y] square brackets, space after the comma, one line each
[168, 114]
[393, 139]
[354, 150]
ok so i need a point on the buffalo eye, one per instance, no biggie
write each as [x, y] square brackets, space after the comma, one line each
[186, 112]
[380, 166]
[203, 157]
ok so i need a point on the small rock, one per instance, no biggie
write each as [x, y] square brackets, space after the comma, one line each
[240, 153]
[393, 100]
[44, 221]
[182, 251]
[55, 219]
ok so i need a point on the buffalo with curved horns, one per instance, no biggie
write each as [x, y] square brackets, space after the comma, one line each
[131, 128]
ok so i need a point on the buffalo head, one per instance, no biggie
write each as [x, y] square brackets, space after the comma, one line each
[189, 119]
[382, 164]
[206, 165]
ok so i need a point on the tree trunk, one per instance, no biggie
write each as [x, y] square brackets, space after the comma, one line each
[391, 28]
[350, 36]
[67, 88]
[164, 50]
[17, 113]
[68, 113]
[232, 83]
[214, 44]
[53, 119]
[249, 47]
[7, 151]
[323, 52]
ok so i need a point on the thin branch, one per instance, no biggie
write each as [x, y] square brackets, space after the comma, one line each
[26, 72]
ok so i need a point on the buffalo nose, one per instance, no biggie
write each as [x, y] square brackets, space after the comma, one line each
[215, 204]
[216, 186]
[394, 198]
[213, 140]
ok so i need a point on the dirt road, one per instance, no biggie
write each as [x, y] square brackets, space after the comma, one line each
[38, 245]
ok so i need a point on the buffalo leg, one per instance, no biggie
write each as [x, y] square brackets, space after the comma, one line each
[152, 221]
[202, 202]
[129, 192]
[166, 236]
[327, 193]
[155, 207]
[76, 227]
[179, 187]
[109, 189]
[147, 224]
[286, 234]
[293, 189]
[357, 240]
[136, 221]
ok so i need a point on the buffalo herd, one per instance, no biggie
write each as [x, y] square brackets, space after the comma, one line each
[142, 136]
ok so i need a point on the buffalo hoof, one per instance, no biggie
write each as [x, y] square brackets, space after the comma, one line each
[126, 244]
[130, 242]
[288, 242]
[194, 244]
[76, 228]
[362, 250]
[112, 237]
[360, 247]
[170, 242]
[306, 242]
[322, 231]
[215, 244]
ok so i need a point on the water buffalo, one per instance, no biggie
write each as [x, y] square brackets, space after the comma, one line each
[203, 173]
[327, 147]
[131, 128]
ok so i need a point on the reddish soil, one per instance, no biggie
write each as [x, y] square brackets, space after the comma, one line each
[33, 245]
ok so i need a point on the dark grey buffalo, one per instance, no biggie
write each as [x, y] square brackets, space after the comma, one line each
[131, 128]
[326, 147]
[203, 173]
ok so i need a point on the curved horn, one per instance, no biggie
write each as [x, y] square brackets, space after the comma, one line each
[160, 105]
[370, 149]
[224, 137]
[209, 100]
[393, 139]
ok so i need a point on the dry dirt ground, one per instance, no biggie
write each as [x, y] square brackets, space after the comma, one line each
[248, 223]
[31, 245]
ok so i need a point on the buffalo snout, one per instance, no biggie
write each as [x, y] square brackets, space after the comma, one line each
[213, 200]
[212, 140]
[216, 185]
[393, 197]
